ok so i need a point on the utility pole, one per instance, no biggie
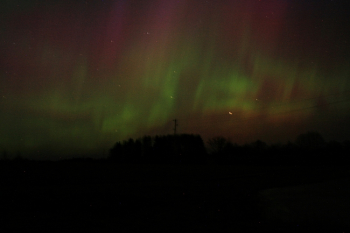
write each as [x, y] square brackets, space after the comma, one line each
[175, 124]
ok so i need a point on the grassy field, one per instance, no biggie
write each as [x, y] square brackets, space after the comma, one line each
[105, 197]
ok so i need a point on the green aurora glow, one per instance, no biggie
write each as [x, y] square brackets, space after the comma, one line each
[77, 78]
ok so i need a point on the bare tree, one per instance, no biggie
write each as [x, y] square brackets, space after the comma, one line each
[217, 145]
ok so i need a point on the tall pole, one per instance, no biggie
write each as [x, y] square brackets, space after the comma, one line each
[175, 124]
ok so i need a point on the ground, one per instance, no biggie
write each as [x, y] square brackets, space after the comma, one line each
[105, 197]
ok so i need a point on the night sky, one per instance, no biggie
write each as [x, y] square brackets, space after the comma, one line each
[77, 76]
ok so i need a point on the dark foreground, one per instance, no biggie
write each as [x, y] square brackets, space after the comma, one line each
[107, 197]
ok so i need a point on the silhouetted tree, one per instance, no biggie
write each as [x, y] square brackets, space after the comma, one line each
[217, 145]
[191, 148]
[19, 158]
[116, 152]
[182, 148]
[310, 140]
[309, 148]
[221, 150]
[259, 146]
[147, 146]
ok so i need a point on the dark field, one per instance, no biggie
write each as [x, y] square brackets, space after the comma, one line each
[108, 197]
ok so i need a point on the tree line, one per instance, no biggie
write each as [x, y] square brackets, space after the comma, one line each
[308, 148]
[183, 148]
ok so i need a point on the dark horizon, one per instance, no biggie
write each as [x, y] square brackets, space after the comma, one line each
[310, 143]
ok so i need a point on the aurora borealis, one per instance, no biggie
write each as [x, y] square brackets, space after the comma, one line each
[77, 76]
